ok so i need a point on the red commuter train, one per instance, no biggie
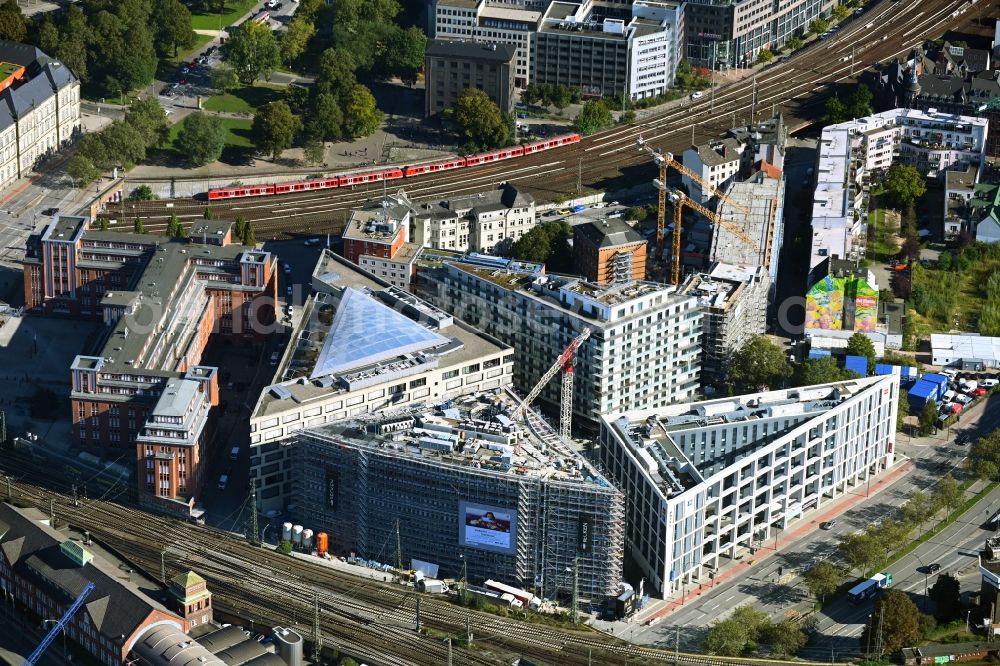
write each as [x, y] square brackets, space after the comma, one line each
[392, 173]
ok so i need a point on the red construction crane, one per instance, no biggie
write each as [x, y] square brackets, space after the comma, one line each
[564, 363]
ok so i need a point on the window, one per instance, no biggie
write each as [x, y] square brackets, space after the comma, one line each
[449, 374]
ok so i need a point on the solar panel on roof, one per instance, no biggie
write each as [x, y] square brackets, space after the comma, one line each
[364, 332]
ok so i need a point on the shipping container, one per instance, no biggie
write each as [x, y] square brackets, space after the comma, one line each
[858, 364]
[922, 393]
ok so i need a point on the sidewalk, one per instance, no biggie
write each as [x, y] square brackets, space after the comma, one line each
[827, 512]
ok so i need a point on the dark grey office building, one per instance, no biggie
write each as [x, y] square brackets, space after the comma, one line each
[451, 67]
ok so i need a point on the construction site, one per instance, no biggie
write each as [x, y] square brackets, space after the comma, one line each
[469, 488]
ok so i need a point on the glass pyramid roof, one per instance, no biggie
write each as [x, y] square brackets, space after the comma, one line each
[365, 331]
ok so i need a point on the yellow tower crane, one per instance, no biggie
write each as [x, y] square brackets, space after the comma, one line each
[679, 200]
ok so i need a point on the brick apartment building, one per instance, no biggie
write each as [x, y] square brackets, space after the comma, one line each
[160, 301]
[609, 251]
[377, 239]
[43, 572]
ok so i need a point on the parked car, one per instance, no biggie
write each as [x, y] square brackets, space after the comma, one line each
[963, 400]
[930, 568]
[288, 269]
[183, 81]
[828, 525]
[223, 481]
[185, 69]
[990, 383]
[564, 211]
[234, 453]
[274, 358]
[50, 211]
[697, 95]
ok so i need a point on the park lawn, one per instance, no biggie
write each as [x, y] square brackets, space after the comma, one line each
[237, 132]
[243, 100]
[233, 11]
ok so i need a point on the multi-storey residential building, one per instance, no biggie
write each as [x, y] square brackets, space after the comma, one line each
[364, 347]
[584, 46]
[482, 222]
[480, 497]
[452, 67]
[609, 251]
[721, 33]
[142, 388]
[644, 348]
[377, 239]
[715, 479]
[43, 570]
[39, 108]
[850, 152]
[733, 300]
[736, 156]
[484, 21]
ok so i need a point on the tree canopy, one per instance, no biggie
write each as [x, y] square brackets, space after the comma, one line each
[759, 363]
[947, 597]
[749, 630]
[896, 618]
[201, 138]
[822, 579]
[593, 117]
[252, 51]
[274, 128]
[984, 457]
[824, 370]
[13, 25]
[904, 184]
[172, 22]
[295, 38]
[361, 116]
[326, 120]
[860, 344]
[548, 243]
[480, 121]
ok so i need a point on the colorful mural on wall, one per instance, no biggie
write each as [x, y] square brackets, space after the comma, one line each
[839, 303]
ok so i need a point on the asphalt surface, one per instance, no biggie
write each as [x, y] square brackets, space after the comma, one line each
[797, 86]
[840, 623]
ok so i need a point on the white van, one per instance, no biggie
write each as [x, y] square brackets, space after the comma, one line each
[949, 396]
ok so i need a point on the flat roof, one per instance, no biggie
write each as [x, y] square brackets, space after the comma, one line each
[968, 346]
[762, 196]
[493, 52]
[456, 433]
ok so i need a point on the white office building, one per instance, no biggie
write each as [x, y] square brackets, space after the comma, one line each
[714, 480]
[644, 349]
[482, 222]
[363, 346]
[853, 153]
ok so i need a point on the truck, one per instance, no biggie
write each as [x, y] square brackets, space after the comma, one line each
[867, 589]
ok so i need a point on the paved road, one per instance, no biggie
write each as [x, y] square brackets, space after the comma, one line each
[778, 592]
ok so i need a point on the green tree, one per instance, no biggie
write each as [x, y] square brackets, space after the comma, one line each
[174, 227]
[836, 111]
[138, 227]
[122, 55]
[480, 121]
[759, 363]
[904, 184]
[919, 507]
[285, 547]
[71, 42]
[818, 371]
[361, 116]
[249, 238]
[12, 23]
[240, 227]
[902, 410]
[928, 418]
[627, 117]
[173, 27]
[208, 214]
[685, 74]
[252, 51]
[81, 170]
[860, 344]
[326, 120]
[859, 104]
[737, 635]
[142, 193]
[896, 619]
[562, 97]
[295, 38]
[784, 638]
[948, 494]
[404, 56]
[336, 72]
[840, 12]
[861, 551]
[201, 138]
[946, 594]
[822, 579]
[984, 457]
[532, 246]
[794, 43]
[297, 98]
[225, 79]
[102, 223]
[593, 117]
[314, 151]
[818, 26]
[636, 214]
[765, 56]
[274, 128]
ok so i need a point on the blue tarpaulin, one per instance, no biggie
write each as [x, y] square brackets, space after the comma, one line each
[858, 364]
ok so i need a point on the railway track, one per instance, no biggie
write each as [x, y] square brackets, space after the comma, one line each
[357, 615]
[608, 159]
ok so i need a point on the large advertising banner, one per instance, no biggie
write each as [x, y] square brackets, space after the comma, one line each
[332, 488]
[585, 533]
[865, 307]
[487, 527]
[825, 304]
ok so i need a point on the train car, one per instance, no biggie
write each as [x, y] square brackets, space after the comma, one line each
[307, 185]
[434, 167]
[554, 142]
[494, 156]
[240, 192]
[370, 177]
